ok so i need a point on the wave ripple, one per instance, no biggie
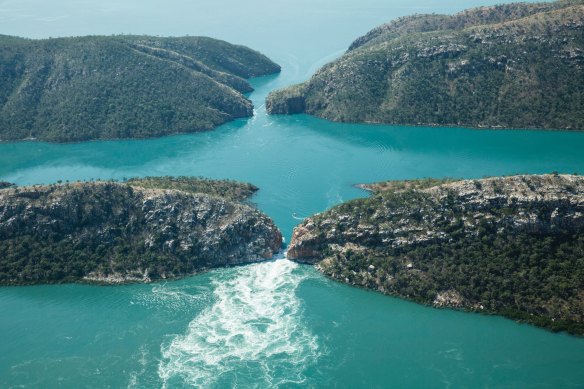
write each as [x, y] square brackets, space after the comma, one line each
[253, 335]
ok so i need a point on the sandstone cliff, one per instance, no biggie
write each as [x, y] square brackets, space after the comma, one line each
[116, 232]
[511, 246]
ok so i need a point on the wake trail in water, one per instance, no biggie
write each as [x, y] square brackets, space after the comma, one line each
[252, 336]
[295, 216]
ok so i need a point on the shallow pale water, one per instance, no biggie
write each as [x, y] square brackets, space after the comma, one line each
[274, 324]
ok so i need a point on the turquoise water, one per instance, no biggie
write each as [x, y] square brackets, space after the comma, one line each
[302, 165]
[274, 324]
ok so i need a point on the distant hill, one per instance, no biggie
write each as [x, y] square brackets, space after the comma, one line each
[514, 66]
[97, 87]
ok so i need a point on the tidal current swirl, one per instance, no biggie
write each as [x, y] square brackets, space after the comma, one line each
[252, 336]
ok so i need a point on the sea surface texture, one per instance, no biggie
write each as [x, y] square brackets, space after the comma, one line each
[271, 324]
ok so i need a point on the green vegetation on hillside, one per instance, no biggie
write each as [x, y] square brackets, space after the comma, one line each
[76, 89]
[514, 66]
[511, 246]
[112, 232]
[227, 189]
[404, 185]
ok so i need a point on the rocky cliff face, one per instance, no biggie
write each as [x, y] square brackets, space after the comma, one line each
[501, 66]
[508, 245]
[114, 232]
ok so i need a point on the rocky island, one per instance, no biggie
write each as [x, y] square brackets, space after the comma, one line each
[98, 87]
[513, 65]
[512, 246]
[134, 231]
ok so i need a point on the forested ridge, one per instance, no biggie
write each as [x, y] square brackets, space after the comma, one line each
[135, 231]
[106, 87]
[512, 65]
[512, 246]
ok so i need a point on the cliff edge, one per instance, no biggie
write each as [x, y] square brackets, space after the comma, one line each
[512, 246]
[113, 232]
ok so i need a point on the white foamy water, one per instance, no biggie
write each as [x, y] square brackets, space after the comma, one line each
[173, 297]
[252, 336]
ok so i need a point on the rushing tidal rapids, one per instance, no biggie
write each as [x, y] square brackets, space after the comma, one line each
[255, 325]
[145, 335]
[271, 324]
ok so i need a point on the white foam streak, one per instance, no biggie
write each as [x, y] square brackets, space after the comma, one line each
[173, 297]
[252, 336]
